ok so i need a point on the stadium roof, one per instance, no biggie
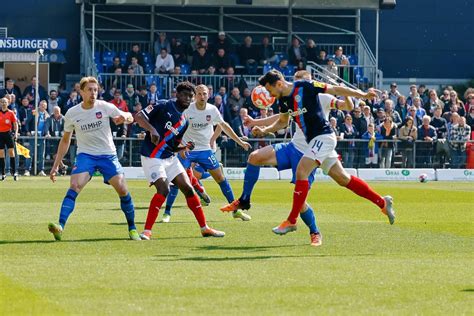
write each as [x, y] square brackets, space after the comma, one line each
[314, 4]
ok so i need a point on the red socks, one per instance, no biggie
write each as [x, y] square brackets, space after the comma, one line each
[195, 206]
[299, 199]
[194, 181]
[361, 188]
[155, 204]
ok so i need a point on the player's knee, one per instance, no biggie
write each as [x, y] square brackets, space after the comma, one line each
[76, 186]
[162, 189]
[254, 159]
[187, 190]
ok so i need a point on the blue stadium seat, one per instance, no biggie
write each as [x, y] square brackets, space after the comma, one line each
[185, 69]
[153, 79]
[123, 57]
[235, 58]
[353, 59]
[267, 68]
[108, 57]
[147, 58]
[149, 69]
[358, 72]
[97, 59]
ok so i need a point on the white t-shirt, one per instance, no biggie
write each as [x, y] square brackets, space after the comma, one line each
[92, 127]
[201, 124]
[299, 140]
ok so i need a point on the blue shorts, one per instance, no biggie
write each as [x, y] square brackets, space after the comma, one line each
[108, 165]
[205, 158]
[288, 157]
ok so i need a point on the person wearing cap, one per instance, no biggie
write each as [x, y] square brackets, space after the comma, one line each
[339, 56]
[394, 94]
[222, 42]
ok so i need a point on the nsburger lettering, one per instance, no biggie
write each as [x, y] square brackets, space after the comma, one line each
[27, 43]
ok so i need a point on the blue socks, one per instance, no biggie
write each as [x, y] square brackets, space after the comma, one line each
[171, 198]
[310, 220]
[67, 207]
[227, 190]
[251, 176]
[128, 209]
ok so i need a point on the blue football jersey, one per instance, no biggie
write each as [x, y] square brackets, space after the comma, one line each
[304, 106]
[170, 124]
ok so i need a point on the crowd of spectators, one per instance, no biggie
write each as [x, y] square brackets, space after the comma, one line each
[371, 135]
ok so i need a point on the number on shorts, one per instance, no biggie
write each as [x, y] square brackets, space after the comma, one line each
[317, 144]
[213, 160]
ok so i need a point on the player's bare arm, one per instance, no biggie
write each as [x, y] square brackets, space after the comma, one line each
[215, 136]
[15, 131]
[230, 132]
[251, 122]
[346, 105]
[124, 117]
[282, 122]
[348, 92]
[62, 150]
[145, 124]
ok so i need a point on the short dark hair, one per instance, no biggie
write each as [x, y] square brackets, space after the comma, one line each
[271, 77]
[185, 85]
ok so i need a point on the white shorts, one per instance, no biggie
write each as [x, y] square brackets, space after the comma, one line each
[322, 149]
[371, 160]
[156, 168]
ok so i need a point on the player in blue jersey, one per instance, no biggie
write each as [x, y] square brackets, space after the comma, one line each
[202, 117]
[302, 103]
[283, 156]
[165, 125]
[96, 151]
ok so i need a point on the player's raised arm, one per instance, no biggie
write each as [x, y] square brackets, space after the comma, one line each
[62, 150]
[282, 122]
[230, 132]
[269, 120]
[348, 92]
[345, 105]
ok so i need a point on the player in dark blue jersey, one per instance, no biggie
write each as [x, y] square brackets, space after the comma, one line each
[303, 104]
[165, 125]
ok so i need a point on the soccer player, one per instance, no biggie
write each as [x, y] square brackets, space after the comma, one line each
[165, 125]
[202, 116]
[8, 123]
[283, 156]
[303, 104]
[95, 151]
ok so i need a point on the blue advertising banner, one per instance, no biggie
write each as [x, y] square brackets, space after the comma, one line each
[32, 44]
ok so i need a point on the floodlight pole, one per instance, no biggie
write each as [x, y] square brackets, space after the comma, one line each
[93, 30]
[377, 22]
[37, 55]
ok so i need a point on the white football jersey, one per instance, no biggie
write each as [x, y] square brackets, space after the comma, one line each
[201, 125]
[327, 101]
[92, 127]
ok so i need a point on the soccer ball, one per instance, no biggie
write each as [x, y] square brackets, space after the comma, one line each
[423, 178]
[261, 98]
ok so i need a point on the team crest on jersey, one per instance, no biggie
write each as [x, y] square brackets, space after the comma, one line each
[98, 115]
[7, 121]
[153, 175]
[298, 98]
[208, 118]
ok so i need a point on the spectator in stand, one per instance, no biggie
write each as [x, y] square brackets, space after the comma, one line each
[440, 125]
[389, 112]
[55, 128]
[137, 69]
[470, 117]
[394, 94]
[23, 114]
[248, 55]
[162, 43]
[135, 52]
[420, 111]
[335, 128]
[283, 67]
[11, 89]
[361, 127]
[153, 95]
[133, 79]
[130, 97]
[237, 124]
[407, 134]
[229, 81]
[115, 64]
[193, 46]
[388, 130]
[222, 42]
[43, 116]
[322, 59]
[178, 50]
[371, 147]
[378, 121]
[220, 106]
[119, 131]
[248, 104]
[211, 94]
[338, 115]
[432, 102]
[267, 52]
[143, 96]
[427, 134]
[118, 81]
[31, 90]
[222, 61]
[469, 101]
[348, 131]
[412, 113]
[77, 88]
[413, 94]
[341, 61]
[445, 99]
[11, 101]
[453, 109]
[53, 101]
[367, 115]
[100, 93]
[402, 107]
[453, 99]
[423, 93]
[119, 102]
[72, 101]
[453, 120]
[460, 134]
[201, 60]
[331, 66]
[312, 52]
[164, 63]
[235, 102]
[296, 52]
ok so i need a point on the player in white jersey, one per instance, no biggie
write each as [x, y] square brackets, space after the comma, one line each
[202, 117]
[90, 120]
[301, 98]
[284, 156]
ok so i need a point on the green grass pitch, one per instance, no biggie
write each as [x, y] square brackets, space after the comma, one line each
[421, 265]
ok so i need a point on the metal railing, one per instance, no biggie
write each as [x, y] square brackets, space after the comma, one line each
[353, 153]
[88, 66]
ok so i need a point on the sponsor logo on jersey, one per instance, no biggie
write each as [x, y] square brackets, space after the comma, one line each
[199, 125]
[297, 113]
[169, 126]
[98, 115]
[91, 126]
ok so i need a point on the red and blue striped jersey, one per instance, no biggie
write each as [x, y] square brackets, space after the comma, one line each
[304, 106]
[170, 124]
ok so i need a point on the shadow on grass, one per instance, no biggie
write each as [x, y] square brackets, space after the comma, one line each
[250, 258]
[136, 208]
[191, 221]
[467, 290]
[6, 242]
[245, 248]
